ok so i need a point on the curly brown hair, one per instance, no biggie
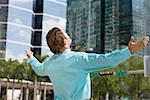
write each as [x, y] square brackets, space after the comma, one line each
[55, 40]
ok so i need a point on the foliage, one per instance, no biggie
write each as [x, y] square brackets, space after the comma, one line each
[16, 70]
[132, 86]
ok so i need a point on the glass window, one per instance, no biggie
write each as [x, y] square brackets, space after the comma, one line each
[50, 22]
[19, 16]
[137, 3]
[19, 34]
[19, 28]
[18, 40]
[16, 51]
[28, 4]
[55, 8]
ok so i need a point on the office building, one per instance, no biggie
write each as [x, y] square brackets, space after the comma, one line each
[83, 23]
[106, 25]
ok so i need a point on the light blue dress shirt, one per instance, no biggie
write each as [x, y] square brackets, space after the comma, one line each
[69, 71]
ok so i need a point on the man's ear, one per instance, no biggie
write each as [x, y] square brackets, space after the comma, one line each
[65, 41]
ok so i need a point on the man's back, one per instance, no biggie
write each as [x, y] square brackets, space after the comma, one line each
[68, 79]
[69, 71]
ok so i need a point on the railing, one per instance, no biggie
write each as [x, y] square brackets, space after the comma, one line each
[25, 87]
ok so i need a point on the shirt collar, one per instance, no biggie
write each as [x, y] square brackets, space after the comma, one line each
[67, 50]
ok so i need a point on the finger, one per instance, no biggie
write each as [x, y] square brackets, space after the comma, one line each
[145, 42]
[27, 52]
[132, 38]
[146, 38]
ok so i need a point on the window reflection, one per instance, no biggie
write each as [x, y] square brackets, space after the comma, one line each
[18, 33]
[54, 8]
[28, 4]
[19, 16]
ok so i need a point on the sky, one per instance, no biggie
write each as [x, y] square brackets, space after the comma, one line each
[20, 22]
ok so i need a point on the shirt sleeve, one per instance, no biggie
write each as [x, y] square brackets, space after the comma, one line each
[93, 62]
[39, 68]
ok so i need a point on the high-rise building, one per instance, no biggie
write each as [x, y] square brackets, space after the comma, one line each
[15, 28]
[118, 24]
[3, 27]
[27, 23]
[83, 23]
[141, 20]
[121, 20]
[86, 18]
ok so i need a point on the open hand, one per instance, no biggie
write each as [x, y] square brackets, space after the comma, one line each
[137, 46]
[28, 53]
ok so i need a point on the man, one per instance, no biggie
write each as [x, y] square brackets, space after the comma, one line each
[69, 71]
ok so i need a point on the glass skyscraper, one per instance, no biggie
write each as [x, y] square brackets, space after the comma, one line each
[141, 20]
[17, 31]
[118, 24]
[83, 23]
[122, 19]
[20, 24]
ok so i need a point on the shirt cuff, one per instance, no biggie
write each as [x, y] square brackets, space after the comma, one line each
[31, 58]
[128, 52]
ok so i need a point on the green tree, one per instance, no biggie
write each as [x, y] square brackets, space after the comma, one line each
[133, 86]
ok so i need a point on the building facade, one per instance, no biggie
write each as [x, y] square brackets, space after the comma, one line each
[122, 19]
[118, 24]
[27, 24]
[83, 23]
[141, 20]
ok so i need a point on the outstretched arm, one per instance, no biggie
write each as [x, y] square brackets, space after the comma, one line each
[93, 62]
[39, 68]
[90, 62]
